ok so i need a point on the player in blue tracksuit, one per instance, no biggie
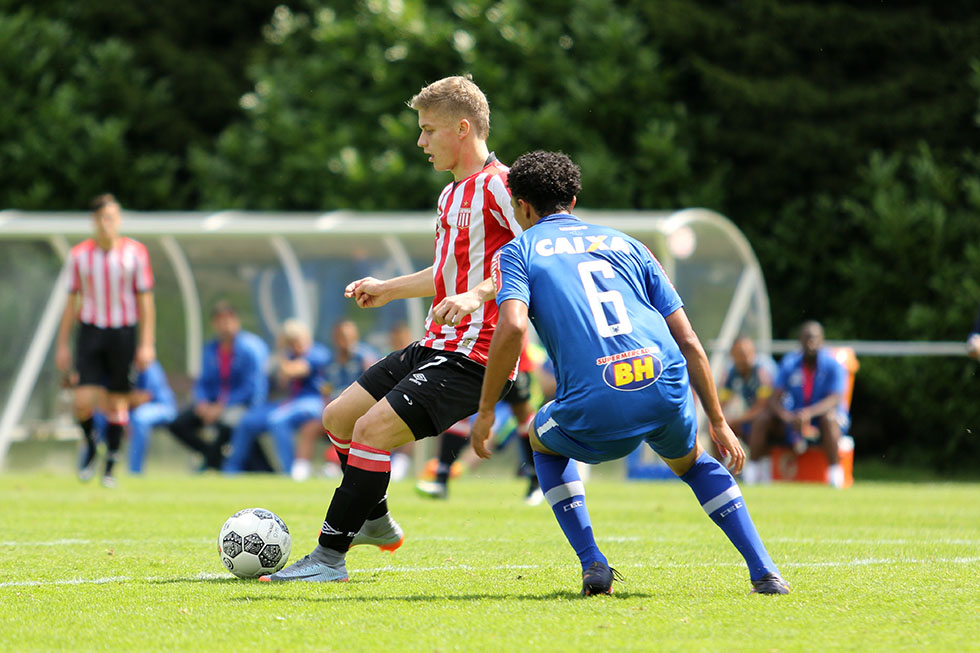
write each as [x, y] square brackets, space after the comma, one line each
[623, 351]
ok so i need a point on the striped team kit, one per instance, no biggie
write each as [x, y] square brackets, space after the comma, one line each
[108, 282]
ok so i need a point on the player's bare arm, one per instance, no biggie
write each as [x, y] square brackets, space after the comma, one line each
[370, 292]
[146, 351]
[704, 386]
[63, 357]
[505, 349]
[453, 309]
[819, 409]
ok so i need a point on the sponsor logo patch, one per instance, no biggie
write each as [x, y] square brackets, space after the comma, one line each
[634, 372]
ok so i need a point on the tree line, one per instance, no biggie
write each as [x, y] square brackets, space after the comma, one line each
[841, 137]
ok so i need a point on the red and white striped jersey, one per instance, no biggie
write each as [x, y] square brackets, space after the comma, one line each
[475, 220]
[108, 281]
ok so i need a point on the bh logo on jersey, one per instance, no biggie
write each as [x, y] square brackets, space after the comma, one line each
[633, 373]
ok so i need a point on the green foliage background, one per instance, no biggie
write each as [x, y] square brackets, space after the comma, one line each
[840, 136]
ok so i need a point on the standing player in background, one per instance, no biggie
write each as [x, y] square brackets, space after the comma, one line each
[625, 358]
[111, 292]
[453, 440]
[421, 390]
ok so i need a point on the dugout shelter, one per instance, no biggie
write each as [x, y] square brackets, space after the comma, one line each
[273, 266]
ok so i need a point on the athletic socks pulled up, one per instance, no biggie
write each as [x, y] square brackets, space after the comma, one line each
[565, 492]
[366, 478]
[721, 498]
[342, 447]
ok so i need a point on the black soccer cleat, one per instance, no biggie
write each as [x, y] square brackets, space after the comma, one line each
[771, 583]
[598, 579]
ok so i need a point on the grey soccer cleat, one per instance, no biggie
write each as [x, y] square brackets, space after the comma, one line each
[383, 532]
[771, 583]
[310, 571]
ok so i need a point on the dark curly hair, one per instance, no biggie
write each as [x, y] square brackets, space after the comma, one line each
[548, 181]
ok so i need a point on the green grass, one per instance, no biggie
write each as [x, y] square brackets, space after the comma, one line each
[881, 566]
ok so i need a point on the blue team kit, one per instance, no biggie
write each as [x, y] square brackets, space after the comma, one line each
[598, 300]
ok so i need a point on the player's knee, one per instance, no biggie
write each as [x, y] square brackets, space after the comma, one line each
[334, 420]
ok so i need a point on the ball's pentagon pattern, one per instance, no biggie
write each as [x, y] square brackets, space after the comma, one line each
[253, 542]
[270, 555]
[231, 544]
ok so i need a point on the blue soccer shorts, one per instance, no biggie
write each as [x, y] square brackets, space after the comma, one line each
[675, 439]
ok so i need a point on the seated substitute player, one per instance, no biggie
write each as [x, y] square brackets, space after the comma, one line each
[623, 351]
[973, 340]
[297, 366]
[747, 381]
[806, 407]
[151, 404]
[232, 381]
[419, 391]
[350, 358]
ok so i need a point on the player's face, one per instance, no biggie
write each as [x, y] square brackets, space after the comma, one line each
[226, 325]
[440, 139]
[107, 221]
[811, 340]
[743, 353]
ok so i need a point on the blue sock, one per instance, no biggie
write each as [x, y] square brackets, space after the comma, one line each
[565, 492]
[721, 498]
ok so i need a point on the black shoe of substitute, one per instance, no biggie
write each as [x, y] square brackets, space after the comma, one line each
[598, 579]
[771, 583]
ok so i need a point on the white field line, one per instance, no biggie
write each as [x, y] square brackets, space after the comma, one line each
[863, 562]
[461, 538]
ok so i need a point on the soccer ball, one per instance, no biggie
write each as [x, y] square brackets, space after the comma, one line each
[254, 542]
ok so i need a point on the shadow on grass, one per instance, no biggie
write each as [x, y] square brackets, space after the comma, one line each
[424, 598]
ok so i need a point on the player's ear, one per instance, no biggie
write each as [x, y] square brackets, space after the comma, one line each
[463, 127]
[572, 205]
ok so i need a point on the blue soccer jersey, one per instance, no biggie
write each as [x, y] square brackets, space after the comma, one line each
[598, 300]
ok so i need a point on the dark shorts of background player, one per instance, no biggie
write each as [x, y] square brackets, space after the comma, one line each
[104, 357]
[520, 391]
[428, 388]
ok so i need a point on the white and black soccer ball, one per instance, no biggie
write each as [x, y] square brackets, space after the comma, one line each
[254, 542]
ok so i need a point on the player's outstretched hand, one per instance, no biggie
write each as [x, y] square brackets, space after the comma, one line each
[367, 292]
[453, 309]
[480, 433]
[728, 446]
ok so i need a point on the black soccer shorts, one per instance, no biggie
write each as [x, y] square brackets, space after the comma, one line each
[520, 391]
[104, 357]
[429, 389]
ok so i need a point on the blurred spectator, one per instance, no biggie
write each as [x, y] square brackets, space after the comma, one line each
[806, 407]
[232, 381]
[151, 404]
[350, 358]
[746, 386]
[973, 342]
[297, 366]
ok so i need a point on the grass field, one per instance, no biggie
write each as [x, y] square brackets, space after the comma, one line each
[878, 567]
